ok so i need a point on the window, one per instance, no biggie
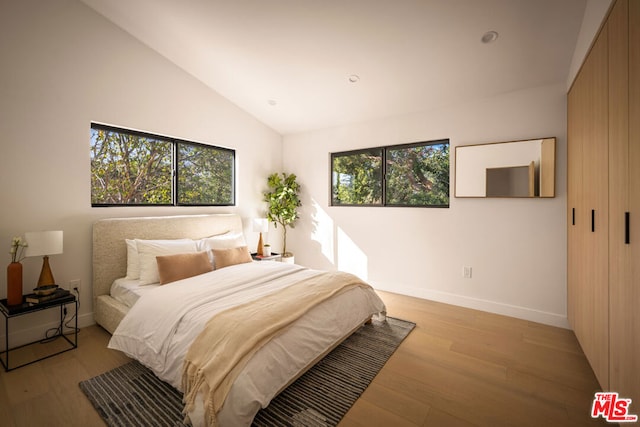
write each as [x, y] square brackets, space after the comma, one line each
[414, 174]
[131, 168]
[357, 177]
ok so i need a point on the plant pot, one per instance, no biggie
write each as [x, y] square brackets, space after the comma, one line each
[288, 258]
[266, 250]
[14, 284]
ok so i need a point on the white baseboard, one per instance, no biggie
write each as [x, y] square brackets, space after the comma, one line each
[519, 312]
[22, 336]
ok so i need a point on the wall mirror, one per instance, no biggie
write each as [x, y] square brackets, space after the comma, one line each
[506, 169]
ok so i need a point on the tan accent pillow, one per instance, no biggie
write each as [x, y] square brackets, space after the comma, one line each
[227, 257]
[148, 250]
[181, 266]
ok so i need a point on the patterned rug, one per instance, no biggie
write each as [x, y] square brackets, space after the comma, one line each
[131, 395]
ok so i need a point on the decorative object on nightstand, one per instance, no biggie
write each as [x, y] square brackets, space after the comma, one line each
[45, 290]
[260, 225]
[36, 298]
[272, 257]
[44, 243]
[284, 202]
[14, 272]
[266, 250]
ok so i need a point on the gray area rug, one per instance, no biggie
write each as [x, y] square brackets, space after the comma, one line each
[131, 395]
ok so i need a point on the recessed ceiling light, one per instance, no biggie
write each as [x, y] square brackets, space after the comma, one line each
[489, 37]
[354, 78]
[272, 102]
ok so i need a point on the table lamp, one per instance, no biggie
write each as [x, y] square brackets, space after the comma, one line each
[260, 225]
[44, 243]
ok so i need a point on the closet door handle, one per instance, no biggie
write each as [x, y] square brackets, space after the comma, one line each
[573, 216]
[627, 238]
[593, 220]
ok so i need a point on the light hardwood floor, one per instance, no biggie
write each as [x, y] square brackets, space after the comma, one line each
[458, 367]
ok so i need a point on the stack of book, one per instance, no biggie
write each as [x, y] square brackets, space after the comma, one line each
[37, 299]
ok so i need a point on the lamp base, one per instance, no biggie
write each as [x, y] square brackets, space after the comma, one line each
[259, 251]
[46, 276]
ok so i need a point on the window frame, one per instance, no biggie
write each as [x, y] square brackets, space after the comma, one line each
[174, 167]
[384, 150]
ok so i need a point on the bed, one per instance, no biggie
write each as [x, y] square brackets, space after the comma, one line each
[165, 326]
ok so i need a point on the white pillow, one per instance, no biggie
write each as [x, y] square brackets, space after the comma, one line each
[133, 263]
[149, 249]
[228, 240]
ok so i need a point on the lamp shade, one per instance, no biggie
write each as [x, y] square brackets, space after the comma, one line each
[260, 225]
[42, 243]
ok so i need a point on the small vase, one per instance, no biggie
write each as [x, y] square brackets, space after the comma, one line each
[14, 284]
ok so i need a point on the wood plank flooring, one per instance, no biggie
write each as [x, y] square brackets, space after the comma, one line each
[458, 367]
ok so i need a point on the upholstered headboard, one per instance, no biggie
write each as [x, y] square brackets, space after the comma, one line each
[110, 251]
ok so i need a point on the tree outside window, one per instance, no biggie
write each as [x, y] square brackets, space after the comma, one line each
[130, 168]
[357, 178]
[414, 174]
[205, 175]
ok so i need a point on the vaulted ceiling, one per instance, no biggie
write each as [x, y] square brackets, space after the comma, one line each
[289, 62]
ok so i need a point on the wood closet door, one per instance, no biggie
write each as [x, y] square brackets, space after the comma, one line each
[619, 251]
[625, 197]
[591, 302]
[633, 287]
[576, 216]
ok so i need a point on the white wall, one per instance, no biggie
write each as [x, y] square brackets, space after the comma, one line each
[516, 247]
[64, 66]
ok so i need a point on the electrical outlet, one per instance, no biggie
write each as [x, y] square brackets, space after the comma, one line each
[466, 272]
[73, 284]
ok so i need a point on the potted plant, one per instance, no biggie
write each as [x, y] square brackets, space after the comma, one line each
[282, 198]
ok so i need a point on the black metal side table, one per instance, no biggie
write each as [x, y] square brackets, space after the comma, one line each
[11, 311]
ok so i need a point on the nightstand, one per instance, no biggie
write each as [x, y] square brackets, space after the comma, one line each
[12, 311]
[272, 257]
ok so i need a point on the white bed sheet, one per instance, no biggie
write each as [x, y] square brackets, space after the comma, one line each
[127, 291]
[161, 344]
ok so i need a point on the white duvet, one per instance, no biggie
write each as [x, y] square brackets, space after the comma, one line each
[161, 325]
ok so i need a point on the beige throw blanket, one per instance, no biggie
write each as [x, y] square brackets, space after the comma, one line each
[231, 337]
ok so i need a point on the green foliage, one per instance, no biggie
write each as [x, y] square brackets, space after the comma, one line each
[205, 175]
[416, 175]
[283, 202]
[357, 178]
[128, 169]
